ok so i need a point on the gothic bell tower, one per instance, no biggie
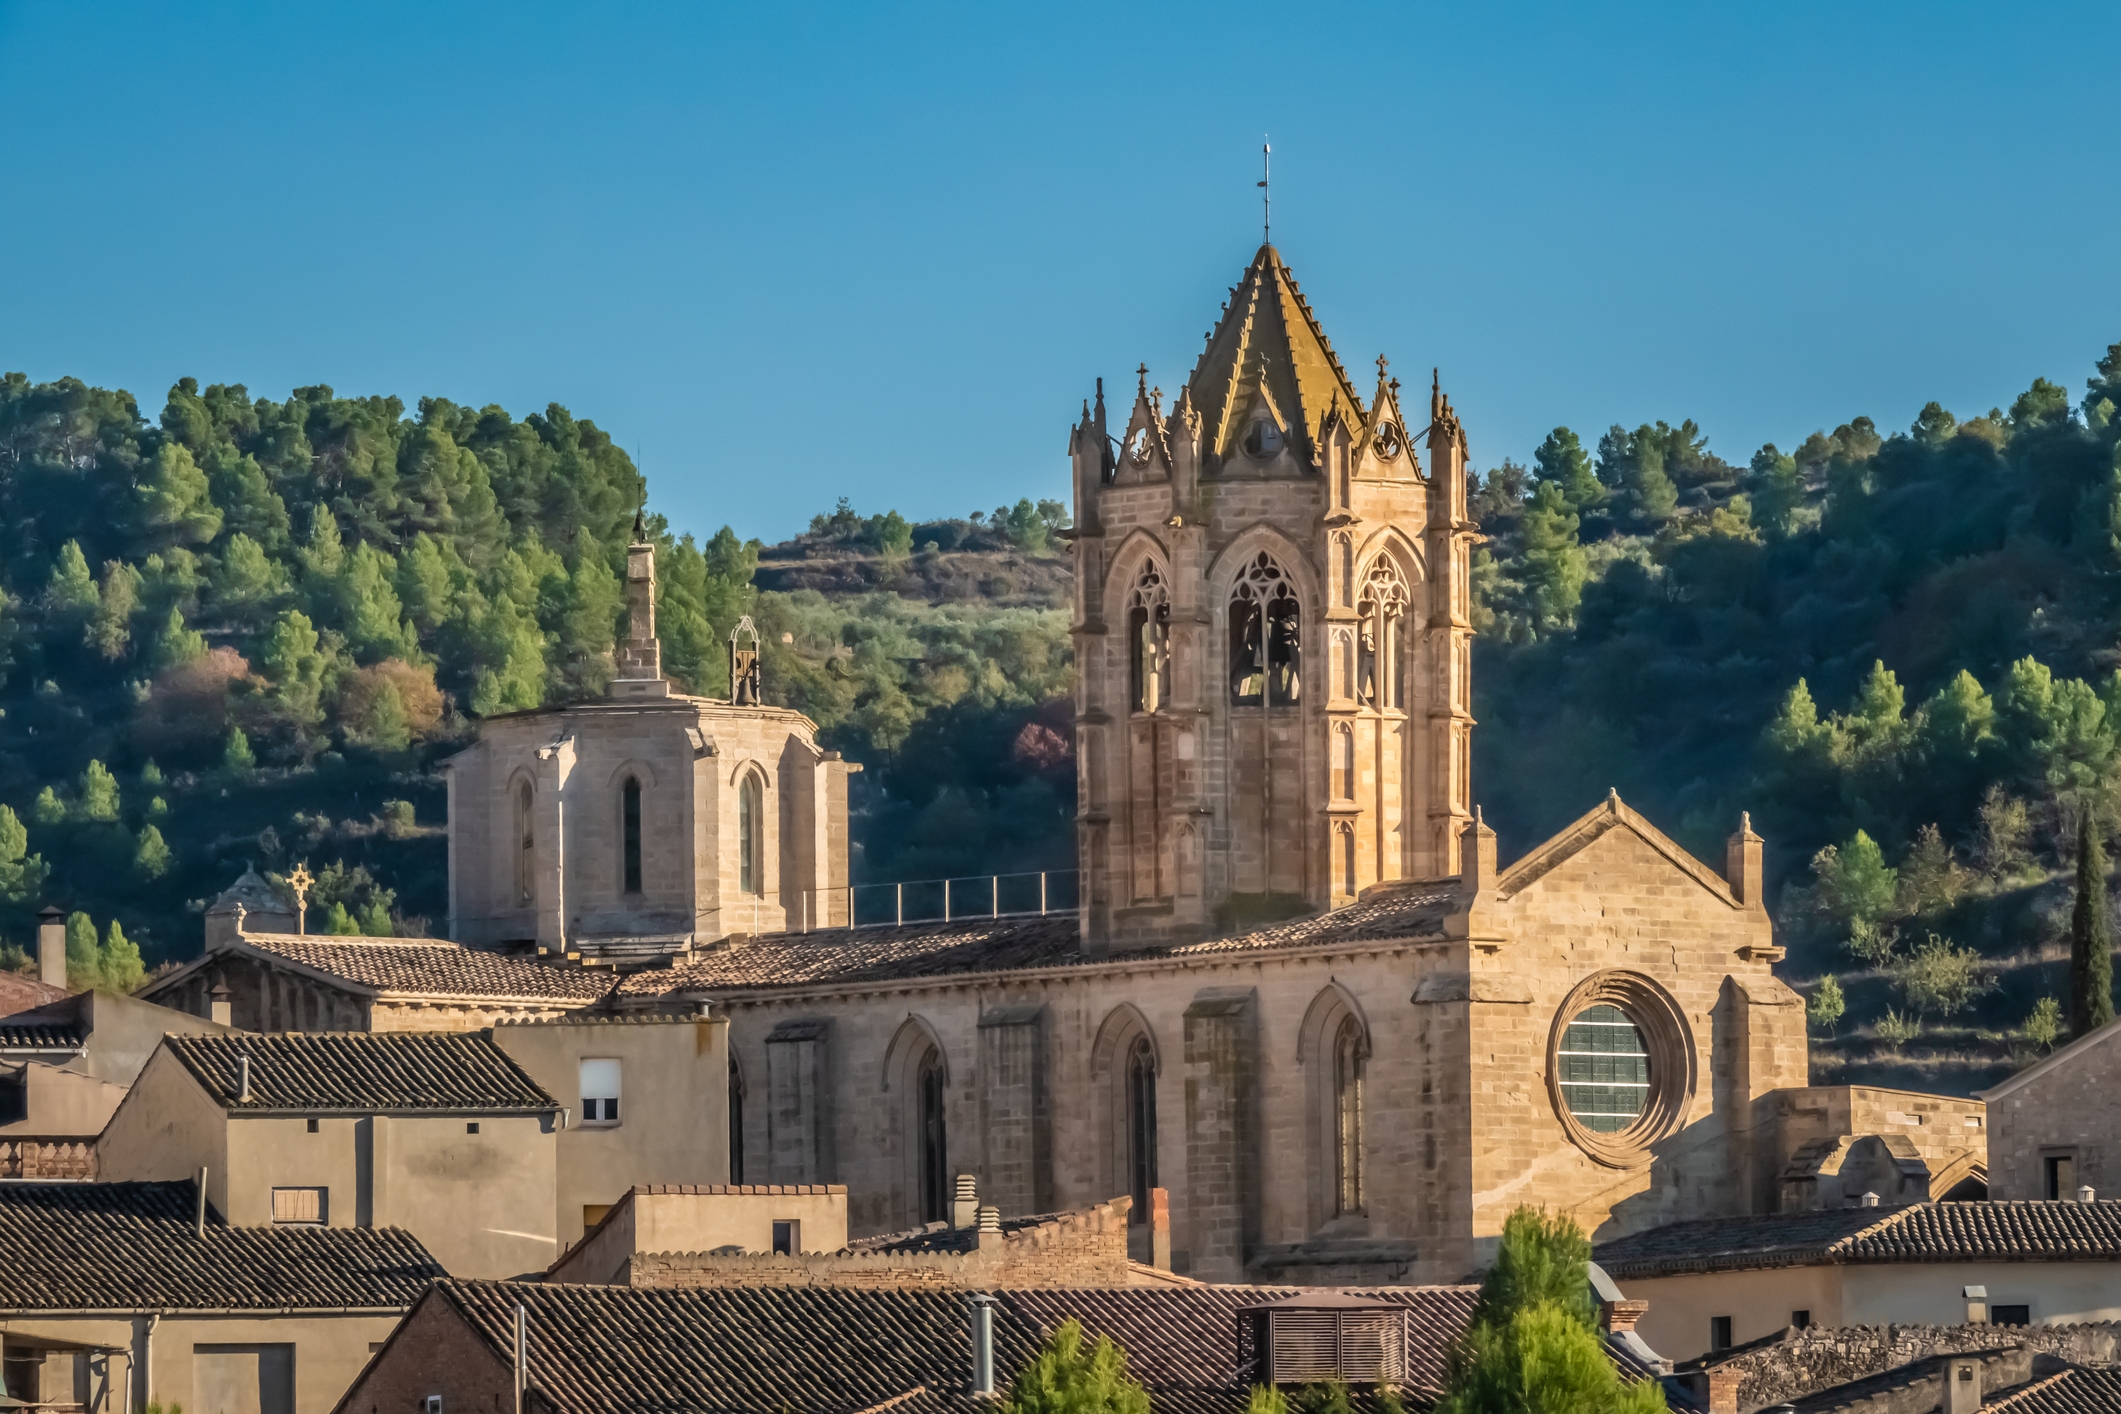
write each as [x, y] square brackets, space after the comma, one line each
[1272, 634]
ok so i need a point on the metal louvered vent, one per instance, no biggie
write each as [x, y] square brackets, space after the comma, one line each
[1301, 1341]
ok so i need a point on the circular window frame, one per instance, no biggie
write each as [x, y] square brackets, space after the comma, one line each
[1667, 1039]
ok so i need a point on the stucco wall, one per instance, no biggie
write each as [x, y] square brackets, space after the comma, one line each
[329, 1352]
[1759, 1303]
[59, 1102]
[673, 1112]
[481, 1203]
[742, 1217]
[167, 1128]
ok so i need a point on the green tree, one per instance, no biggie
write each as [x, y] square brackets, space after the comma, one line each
[1562, 461]
[1533, 1345]
[71, 591]
[294, 662]
[99, 793]
[374, 920]
[110, 630]
[49, 809]
[386, 729]
[177, 645]
[324, 553]
[1826, 1006]
[84, 953]
[1066, 1378]
[369, 608]
[246, 580]
[236, 757]
[176, 504]
[2091, 937]
[151, 856]
[2043, 1025]
[339, 923]
[1855, 881]
[1941, 980]
[119, 965]
[1778, 491]
[1553, 562]
[21, 873]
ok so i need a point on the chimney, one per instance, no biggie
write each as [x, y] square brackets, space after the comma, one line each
[51, 946]
[990, 1228]
[1741, 869]
[1723, 1383]
[1870, 1200]
[1160, 1229]
[964, 1212]
[221, 1008]
[1619, 1316]
[1962, 1385]
[1976, 1305]
[202, 1205]
[2086, 1193]
[243, 1080]
[981, 1309]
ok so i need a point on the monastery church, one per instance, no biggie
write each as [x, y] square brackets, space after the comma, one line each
[1273, 722]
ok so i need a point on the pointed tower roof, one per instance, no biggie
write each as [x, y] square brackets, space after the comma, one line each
[1268, 336]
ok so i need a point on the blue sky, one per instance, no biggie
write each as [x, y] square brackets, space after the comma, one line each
[795, 252]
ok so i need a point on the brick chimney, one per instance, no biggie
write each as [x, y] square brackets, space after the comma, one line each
[51, 946]
[1160, 1229]
[1618, 1316]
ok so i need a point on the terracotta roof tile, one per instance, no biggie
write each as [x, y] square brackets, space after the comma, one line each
[20, 992]
[2017, 1230]
[887, 952]
[428, 967]
[2081, 1389]
[134, 1247]
[40, 1036]
[604, 1349]
[361, 1071]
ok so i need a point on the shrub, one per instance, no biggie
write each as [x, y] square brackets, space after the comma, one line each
[1064, 1378]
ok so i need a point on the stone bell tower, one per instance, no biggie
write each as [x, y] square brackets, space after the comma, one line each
[1272, 634]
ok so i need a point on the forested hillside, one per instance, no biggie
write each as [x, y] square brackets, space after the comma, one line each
[243, 630]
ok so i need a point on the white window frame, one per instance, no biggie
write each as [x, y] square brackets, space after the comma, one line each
[602, 1090]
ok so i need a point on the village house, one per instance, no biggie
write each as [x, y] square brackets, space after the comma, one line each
[118, 1296]
[1718, 1284]
[2053, 1123]
[442, 1135]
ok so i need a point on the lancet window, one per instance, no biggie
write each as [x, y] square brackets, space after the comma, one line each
[630, 830]
[1351, 1052]
[932, 1088]
[1141, 1126]
[1266, 637]
[526, 846]
[1149, 638]
[1379, 671]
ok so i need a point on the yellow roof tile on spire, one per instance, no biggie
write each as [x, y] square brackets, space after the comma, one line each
[1268, 333]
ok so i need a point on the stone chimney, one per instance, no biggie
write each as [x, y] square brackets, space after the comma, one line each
[1976, 1305]
[1741, 869]
[1477, 856]
[1160, 1229]
[990, 1229]
[51, 946]
[964, 1211]
[640, 656]
[221, 1008]
[2086, 1193]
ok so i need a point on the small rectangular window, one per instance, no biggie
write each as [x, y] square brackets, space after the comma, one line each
[593, 1213]
[787, 1238]
[2061, 1175]
[1719, 1333]
[2010, 1315]
[1802, 1320]
[600, 1092]
[472, 1127]
[298, 1205]
[312, 1126]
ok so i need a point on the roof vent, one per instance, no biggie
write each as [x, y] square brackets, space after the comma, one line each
[1327, 1336]
[1870, 1200]
[2085, 1193]
[243, 1080]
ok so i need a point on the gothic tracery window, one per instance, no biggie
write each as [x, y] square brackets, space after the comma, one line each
[1141, 1125]
[936, 1188]
[1149, 639]
[1379, 670]
[1351, 1051]
[526, 846]
[1266, 639]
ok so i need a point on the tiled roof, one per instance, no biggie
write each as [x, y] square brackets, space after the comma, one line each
[2010, 1231]
[2081, 1389]
[134, 1247]
[832, 1350]
[40, 1036]
[942, 1237]
[20, 992]
[428, 967]
[890, 952]
[361, 1071]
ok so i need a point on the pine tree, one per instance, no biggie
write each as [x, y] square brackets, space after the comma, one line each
[151, 858]
[236, 757]
[84, 954]
[99, 793]
[1533, 1346]
[1064, 1378]
[176, 505]
[386, 729]
[1554, 564]
[49, 809]
[2091, 937]
[1564, 463]
[71, 590]
[339, 923]
[21, 873]
[295, 663]
[109, 631]
[177, 645]
[119, 964]
[1827, 1005]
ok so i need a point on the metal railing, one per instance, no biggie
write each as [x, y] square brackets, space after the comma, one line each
[1030, 894]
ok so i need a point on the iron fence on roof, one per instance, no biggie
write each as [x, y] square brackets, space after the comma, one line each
[1030, 894]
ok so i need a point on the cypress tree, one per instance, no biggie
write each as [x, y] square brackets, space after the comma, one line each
[2091, 938]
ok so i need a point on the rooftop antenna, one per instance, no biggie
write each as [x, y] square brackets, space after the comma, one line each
[1266, 196]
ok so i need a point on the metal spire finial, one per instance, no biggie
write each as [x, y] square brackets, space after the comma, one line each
[1266, 195]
